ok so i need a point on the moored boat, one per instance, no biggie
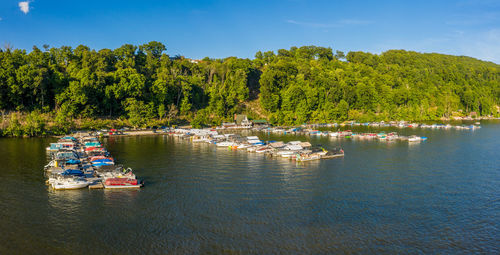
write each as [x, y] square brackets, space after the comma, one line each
[121, 183]
[69, 183]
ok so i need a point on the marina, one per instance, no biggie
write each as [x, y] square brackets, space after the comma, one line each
[293, 150]
[83, 162]
[201, 198]
[250, 127]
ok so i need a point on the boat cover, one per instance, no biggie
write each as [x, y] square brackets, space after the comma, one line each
[72, 172]
[277, 144]
[73, 161]
[305, 144]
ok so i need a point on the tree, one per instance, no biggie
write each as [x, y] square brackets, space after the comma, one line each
[172, 113]
[138, 112]
[343, 110]
[161, 111]
[296, 85]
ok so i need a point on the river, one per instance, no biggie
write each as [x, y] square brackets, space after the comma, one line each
[439, 196]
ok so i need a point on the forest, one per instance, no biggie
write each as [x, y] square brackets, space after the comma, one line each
[54, 90]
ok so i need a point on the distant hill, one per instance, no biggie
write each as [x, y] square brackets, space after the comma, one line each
[294, 86]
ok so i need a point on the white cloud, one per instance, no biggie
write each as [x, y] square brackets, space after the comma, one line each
[24, 6]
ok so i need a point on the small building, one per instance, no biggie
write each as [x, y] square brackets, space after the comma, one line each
[242, 120]
[228, 124]
[260, 122]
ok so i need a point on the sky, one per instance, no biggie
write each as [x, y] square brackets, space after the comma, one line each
[220, 28]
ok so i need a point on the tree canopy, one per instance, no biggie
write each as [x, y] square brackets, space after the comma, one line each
[294, 86]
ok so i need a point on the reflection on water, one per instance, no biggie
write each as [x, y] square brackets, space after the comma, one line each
[438, 196]
[111, 196]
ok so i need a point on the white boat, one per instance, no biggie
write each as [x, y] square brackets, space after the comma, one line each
[225, 144]
[286, 153]
[244, 146]
[414, 139]
[263, 149]
[334, 134]
[252, 148]
[69, 183]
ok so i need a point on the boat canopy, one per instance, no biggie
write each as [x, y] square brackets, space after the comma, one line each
[69, 138]
[277, 144]
[293, 147]
[73, 161]
[305, 144]
[103, 160]
[93, 144]
[72, 172]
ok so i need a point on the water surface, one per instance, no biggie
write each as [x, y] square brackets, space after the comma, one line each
[440, 196]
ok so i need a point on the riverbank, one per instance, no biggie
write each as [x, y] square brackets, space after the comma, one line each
[35, 125]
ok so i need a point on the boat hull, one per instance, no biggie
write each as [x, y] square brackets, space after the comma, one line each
[69, 186]
[129, 186]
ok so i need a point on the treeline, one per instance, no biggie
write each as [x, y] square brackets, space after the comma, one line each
[142, 84]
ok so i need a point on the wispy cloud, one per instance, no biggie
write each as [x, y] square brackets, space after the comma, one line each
[483, 45]
[478, 44]
[340, 23]
[355, 22]
[312, 24]
[1, 18]
[24, 6]
[468, 3]
[472, 20]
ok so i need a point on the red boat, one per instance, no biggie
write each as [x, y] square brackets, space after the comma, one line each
[118, 183]
[100, 157]
[94, 149]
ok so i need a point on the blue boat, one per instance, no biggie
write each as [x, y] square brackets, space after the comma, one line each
[72, 172]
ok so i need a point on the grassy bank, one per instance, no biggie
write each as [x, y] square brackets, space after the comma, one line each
[37, 124]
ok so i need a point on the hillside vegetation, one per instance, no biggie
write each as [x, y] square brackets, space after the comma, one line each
[141, 85]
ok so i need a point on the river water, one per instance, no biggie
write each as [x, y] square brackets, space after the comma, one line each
[439, 196]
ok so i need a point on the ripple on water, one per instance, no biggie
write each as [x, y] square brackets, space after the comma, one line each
[441, 196]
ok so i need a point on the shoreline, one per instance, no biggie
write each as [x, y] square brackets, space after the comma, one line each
[160, 132]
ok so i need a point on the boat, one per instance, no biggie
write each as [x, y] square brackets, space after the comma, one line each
[102, 162]
[307, 157]
[286, 153]
[414, 138]
[225, 144]
[264, 149]
[244, 146]
[69, 183]
[335, 153]
[121, 183]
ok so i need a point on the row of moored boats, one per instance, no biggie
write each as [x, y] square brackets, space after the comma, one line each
[77, 163]
[294, 150]
[397, 124]
[382, 136]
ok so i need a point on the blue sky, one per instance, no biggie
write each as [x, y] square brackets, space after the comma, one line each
[220, 29]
